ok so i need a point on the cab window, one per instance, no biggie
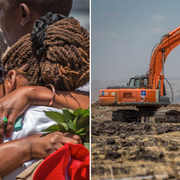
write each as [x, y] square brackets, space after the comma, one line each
[131, 82]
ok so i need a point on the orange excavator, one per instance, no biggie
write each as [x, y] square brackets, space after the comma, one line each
[147, 92]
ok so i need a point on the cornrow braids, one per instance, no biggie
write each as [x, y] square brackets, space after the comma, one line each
[64, 63]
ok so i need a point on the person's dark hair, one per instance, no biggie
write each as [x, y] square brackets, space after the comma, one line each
[65, 61]
[44, 6]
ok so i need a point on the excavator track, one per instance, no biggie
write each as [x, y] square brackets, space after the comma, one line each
[168, 116]
[122, 115]
[161, 116]
[131, 115]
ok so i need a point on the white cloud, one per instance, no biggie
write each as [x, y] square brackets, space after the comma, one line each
[113, 34]
[159, 18]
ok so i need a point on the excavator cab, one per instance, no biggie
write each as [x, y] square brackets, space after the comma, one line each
[142, 82]
[139, 81]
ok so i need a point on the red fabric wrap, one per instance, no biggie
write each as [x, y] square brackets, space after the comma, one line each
[71, 158]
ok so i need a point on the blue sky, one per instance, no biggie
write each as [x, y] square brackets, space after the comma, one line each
[124, 32]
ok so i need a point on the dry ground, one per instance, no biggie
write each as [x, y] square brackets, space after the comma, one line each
[121, 150]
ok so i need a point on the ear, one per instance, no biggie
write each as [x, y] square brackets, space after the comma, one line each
[11, 81]
[25, 14]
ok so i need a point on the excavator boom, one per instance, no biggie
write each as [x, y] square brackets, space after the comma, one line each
[158, 58]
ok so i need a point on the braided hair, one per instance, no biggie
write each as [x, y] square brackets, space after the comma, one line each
[64, 62]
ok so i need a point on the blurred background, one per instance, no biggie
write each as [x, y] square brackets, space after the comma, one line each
[80, 11]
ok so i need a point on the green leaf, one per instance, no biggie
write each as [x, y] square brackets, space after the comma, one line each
[86, 113]
[80, 131]
[70, 110]
[86, 144]
[78, 112]
[59, 118]
[62, 129]
[82, 134]
[83, 123]
[68, 118]
[74, 122]
[65, 126]
[55, 116]
[52, 128]
[70, 113]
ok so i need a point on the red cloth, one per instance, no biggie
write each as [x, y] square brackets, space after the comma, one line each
[71, 162]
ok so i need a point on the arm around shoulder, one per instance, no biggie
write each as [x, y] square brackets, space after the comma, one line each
[40, 95]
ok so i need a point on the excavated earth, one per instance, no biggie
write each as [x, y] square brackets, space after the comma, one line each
[137, 150]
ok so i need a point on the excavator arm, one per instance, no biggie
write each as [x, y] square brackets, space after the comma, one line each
[167, 44]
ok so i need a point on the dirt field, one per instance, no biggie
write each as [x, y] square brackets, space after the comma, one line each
[137, 150]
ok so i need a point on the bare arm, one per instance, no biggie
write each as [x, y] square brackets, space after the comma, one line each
[18, 153]
[68, 99]
[14, 153]
[15, 103]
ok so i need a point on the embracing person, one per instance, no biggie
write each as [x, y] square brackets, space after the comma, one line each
[56, 52]
[17, 18]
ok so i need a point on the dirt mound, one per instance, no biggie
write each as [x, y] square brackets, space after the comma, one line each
[96, 104]
[129, 129]
[121, 150]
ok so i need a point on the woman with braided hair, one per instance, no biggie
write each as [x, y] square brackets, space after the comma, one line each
[59, 55]
[56, 52]
[17, 18]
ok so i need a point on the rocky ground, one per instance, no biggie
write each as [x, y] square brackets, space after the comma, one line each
[133, 150]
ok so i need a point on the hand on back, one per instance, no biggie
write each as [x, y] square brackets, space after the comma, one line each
[43, 146]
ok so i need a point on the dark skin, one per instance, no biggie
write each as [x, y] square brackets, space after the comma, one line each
[17, 21]
[14, 107]
[34, 147]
